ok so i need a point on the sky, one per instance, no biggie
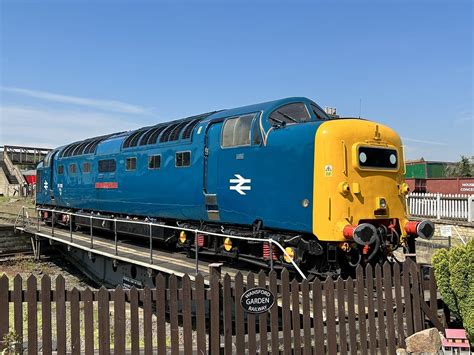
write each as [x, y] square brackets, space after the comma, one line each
[75, 69]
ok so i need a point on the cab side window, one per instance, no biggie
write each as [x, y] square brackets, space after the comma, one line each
[291, 113]
[236, 131]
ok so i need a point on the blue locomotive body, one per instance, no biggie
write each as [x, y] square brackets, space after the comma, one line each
[234, 167]
[330, 191]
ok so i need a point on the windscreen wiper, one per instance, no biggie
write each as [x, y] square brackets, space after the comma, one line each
[287, 116]
[280, 122]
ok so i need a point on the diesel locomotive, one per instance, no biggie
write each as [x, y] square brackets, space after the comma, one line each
[330, 191]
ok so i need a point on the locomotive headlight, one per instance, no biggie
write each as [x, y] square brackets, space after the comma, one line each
[182, 237]
[289, 254]
[305, 203]
[227, 244]
[362, 157]
[393, 159]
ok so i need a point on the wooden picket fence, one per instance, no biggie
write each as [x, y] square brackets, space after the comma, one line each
[372, 313]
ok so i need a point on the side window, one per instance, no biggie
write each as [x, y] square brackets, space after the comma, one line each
[154, 161]
[60, 169]
[86, 167]
[257, 138]
[291, 113]
[183, 159]
[72, 168]
[47, 159]
[131, 164]
[106, 166]
[236, 131]
[319, 113]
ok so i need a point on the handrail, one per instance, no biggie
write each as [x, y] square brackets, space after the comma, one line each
[459, 235]
[196, 231]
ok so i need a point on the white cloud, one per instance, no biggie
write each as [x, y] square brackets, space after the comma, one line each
[48, 128]
[423, 141]
[105, 105]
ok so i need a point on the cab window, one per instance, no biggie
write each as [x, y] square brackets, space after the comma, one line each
[288, 114]
[236, 131]
[319, 113]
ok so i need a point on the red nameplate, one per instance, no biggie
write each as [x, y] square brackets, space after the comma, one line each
[106, 185]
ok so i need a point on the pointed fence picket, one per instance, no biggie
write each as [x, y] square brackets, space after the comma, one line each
[372, 313]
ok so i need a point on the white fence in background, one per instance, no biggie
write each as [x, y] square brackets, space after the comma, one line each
[439, 206]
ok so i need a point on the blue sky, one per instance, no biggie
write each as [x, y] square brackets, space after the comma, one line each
[74, 69]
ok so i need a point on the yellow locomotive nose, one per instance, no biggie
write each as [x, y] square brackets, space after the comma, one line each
[358, 181]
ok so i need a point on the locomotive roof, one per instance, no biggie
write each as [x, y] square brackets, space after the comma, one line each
[167, 131]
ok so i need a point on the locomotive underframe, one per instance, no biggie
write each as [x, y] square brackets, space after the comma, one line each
[316, 258]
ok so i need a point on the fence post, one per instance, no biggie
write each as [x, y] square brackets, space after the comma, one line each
[214, 332]
[470, 208]
[196, 246]
[4, 308]
[438, 206]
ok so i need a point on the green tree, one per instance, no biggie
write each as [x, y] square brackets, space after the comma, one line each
[455, 280]
[463, 168]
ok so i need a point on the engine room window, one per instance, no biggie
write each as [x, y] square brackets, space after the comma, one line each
[236, 131]
[86, 167]
[131, 164]
[370, 157]
[106, 166]
[60, 169]
[72, 168]
[291, 113]
[154, 161]
[183, 159]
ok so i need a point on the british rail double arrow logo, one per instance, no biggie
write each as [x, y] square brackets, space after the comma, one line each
[240, 184]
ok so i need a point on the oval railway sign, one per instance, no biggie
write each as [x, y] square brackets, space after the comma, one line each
[257, 300]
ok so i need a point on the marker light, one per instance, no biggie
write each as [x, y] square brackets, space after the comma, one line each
[404, 188]
[291, 254]
[182, 237]
[227, 244]
[381, 203]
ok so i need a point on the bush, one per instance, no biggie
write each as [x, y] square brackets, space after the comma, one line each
[455, 279]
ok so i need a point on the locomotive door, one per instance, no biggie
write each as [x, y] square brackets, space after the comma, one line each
[212, 150]
[49, 184]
